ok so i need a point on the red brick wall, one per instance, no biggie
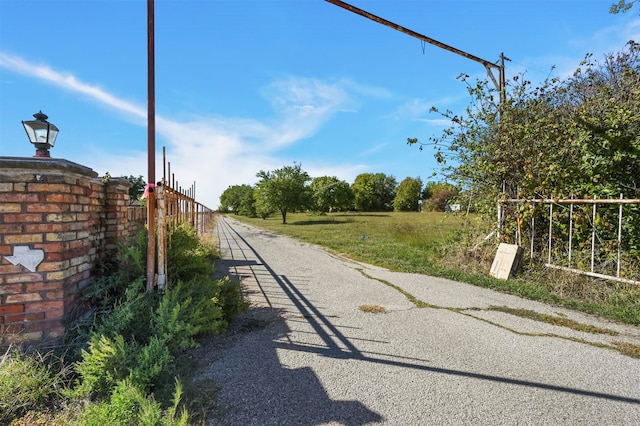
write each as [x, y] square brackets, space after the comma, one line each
[74, 217]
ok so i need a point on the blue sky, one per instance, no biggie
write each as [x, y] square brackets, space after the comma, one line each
[250, 85]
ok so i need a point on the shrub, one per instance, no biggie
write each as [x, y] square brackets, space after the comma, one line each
[102, 365]
[231, 298]
[149, 363]
[127, 266]
[128, 405]
[188, 310]
[27, 382]
[187, 256]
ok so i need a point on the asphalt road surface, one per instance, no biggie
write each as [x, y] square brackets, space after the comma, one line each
[305, 354]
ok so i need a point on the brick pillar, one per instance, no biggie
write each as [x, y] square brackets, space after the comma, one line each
[116, 211]
[49, 229]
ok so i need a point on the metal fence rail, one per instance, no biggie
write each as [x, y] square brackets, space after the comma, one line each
[584, 236]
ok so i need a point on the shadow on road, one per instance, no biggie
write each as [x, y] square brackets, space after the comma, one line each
[262, 391]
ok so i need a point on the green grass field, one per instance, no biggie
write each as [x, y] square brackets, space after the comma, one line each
[439, 244]
[409, 242]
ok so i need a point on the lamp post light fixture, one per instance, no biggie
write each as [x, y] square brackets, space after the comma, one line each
[41, 133]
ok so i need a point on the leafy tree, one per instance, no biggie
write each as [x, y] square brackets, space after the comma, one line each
[577, 136]
[364, 192]
[239, 199]
[284, 190]
[263, 208]
[438, 195]
[331, 193]
[622, 6]
[374, 192]
[137, 186]
[607, 124]
[408, 194]
[563, 137]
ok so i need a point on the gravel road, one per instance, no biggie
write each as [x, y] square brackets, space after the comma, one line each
[305, 354]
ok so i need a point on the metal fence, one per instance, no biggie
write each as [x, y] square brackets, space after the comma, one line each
[181, 207]
[594, 237]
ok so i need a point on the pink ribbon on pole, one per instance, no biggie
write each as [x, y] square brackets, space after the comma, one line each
[147, 187]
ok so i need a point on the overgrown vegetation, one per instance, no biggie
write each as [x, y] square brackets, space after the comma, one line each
[119, 366]
[574, 137]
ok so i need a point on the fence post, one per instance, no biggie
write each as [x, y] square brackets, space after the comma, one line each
[162, 239]
[570, 231]
[550, 228]
[593, 235]
[619, 236]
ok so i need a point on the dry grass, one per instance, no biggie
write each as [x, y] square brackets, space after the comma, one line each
[628, 349]
[553, 320]
[372, 309]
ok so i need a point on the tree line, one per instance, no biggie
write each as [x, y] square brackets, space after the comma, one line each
[291, 189]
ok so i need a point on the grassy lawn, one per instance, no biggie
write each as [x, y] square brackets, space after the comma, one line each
[438, 244]
[408, 242]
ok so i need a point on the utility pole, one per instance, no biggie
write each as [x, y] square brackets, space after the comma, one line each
[489, 66]
[151, 149]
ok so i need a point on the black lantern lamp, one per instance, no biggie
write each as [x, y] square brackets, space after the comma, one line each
[41, 133]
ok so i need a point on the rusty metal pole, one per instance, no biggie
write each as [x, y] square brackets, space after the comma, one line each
[151, 149]
[164, 165]
[488, 65]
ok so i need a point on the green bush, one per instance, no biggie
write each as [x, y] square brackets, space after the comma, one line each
[231, 298]
[130, 315]
[187, 256]
[127, 266]
[108, 361]
[149, 363]
[102, 366]
[189, 310]
[128, 405]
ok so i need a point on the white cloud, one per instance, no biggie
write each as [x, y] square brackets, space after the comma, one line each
[440, 122]
[610, 39]
[419, 109]
[214, 152]
[302, 106]
[69, 82]
[373, 149]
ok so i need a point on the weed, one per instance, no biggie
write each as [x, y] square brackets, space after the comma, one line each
[553, 320]
[28, 382]
[628, 349]
[419, 303]
[373, 309]
[188, 256]
[130, 405]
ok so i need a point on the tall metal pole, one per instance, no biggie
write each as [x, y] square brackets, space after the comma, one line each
[151, 148]
[499, 83]
[487, 64]
[164, 166]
